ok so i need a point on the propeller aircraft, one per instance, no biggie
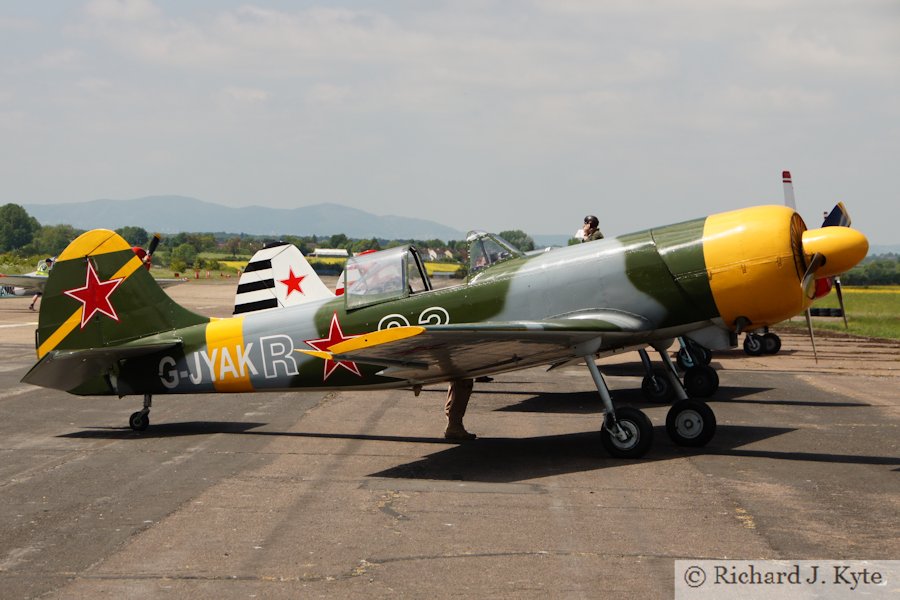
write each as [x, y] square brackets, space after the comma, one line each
[106, 327]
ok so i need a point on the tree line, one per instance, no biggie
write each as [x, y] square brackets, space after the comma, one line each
[883, 269]
[23, 235]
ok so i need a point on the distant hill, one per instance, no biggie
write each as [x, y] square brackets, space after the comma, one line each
[173, 214]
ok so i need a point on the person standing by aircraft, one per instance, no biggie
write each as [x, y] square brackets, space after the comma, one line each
[457, 400]
[590, 231]
[43, 269]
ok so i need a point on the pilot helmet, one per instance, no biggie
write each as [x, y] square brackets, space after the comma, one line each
[592, 220]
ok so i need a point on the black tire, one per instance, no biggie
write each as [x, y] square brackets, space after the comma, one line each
[691, 423]
[705, 354]
[701, 382]
[639, 430]
[771, 343]
[139, 421]
[753, 345]
[656, 388]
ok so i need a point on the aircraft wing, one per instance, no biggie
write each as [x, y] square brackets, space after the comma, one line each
[442, 352]
[29, 282]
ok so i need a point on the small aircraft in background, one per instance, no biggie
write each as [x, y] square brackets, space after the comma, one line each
[106, 327]
[29, 284]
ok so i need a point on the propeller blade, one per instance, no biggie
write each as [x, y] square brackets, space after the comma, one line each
[840, 295]
[788, 190]
[808, 283]
[153, 244]
[812, 338]
[838, 217]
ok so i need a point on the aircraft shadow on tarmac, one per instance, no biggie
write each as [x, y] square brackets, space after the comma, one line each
[507, 460]
[510, 460]
[164, 430]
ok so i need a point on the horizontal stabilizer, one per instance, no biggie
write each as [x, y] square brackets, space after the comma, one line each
[66, 370]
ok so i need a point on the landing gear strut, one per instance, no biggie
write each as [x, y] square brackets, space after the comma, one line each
[626, 432]
[655, 386]
[692, 354]
[700, 380]
[689, 422]
[140, 420]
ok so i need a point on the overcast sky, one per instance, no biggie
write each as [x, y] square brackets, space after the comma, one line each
[476, 113]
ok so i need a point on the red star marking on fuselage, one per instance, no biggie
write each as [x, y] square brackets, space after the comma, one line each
[94, 296]
[335, 336]
[293, 282]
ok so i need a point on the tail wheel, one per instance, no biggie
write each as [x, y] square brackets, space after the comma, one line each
[637, 430]
[139, 421]
[691, 423]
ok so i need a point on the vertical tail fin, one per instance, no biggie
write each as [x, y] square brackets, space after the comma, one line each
[98, 295]
[278, 276]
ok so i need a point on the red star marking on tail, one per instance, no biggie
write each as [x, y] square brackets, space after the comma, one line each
[335, 336]
[94, 296]
[293, 282]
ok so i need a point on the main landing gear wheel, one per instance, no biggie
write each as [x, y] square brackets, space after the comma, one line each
[691, 423]
[636, 429]
[753, 344]
[656, 388]
[139, 421]
[701, 382]
[771, 343]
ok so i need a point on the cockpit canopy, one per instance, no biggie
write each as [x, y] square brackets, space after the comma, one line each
[386, 275]
[486, 249]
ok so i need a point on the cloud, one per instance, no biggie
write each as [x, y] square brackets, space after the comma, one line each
[328, 94]
[452, 101]
[244, 96]
[17, 24]
[65, 58]
[869, 50]
[122, 10]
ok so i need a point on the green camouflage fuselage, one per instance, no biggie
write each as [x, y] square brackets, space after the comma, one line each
[700, 278]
